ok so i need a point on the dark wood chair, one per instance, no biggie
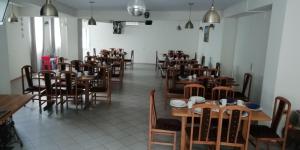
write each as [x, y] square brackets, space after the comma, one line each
[161, 126]
[220, 92]
[129, 62]
[51, 91]
[193, 90]
[245, 93]
[76, 65]
[171, 90]
[201, 130]
[70, 90]
[27, 76]
[63, 67]
[236, 133]
[101, 86]
[268, 134]
[117, 70]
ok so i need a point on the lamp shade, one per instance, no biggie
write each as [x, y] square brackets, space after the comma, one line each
[211, 16]
[136, 7]
[92, 21]
[13, 18]
[189, 25]
[48, 9]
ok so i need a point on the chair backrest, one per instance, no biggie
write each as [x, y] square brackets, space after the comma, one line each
[132, 55]
[223, 81]
[64, 67]
[218, 67]
[77, 64]
[50, 80]
[247, 84]
[26, 71]
[61, 60]
[239, 120]
[203, 60]
[282, 107]
[194, 90]
[171, 77]
[71, 81]
[201, 132]
[220, 92]
[152, 111]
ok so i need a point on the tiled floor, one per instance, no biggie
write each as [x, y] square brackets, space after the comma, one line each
[122, 125]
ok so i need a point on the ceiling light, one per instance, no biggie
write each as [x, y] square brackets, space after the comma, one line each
[48, 9]
[189, 24]
[92, 21]
[13, 18]
[136, 7]
[211, 15]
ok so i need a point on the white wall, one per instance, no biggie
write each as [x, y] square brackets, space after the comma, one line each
[211, 49]
[250, 49]
[228, 45]
[4, 63]
[19, 46]
[145, 40]
[287, 83]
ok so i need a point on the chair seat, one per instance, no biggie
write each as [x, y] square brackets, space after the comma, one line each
[98, 89]
[262, 131]
[127, 60]
[239, 95]
[168, 124]
[72, 92]
[34, 89]
[176, 91]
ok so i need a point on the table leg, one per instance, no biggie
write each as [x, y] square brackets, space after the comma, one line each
[183, 133]
[87, 96]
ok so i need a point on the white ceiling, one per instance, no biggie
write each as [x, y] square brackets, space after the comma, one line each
[156, 5]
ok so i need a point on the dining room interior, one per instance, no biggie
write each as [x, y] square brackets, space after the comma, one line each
[149, 74]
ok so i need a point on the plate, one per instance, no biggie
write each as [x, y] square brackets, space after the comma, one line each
[198, 110]
[178, 103]
[197, 99]
[253, 106]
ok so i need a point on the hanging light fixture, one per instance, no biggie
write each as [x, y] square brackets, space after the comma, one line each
[48, 9]
[189, 24]
[13, 18]
[136, 7]
[211, 16]
[92, 21]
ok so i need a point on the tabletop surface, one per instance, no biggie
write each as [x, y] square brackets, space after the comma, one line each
[12, 103]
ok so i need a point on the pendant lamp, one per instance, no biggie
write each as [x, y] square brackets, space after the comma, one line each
[13, 18]
[189, 24]
[48, 9]
[211, 16]
[92, 21]
[136, 7]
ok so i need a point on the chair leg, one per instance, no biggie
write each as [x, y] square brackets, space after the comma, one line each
[283, 145]
[256, 145]
[174, 142]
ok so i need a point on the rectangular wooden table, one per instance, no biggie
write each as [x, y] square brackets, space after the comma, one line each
[11, 104]
[183, 113]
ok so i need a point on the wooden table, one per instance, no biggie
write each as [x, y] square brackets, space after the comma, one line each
[185, 112]
[12, 103]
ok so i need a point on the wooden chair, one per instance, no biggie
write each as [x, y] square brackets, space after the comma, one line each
[61, 60]
[71, 92]
[158, 62]
[203, 60]
[63, 67]
[51, 91]
[245, 94]
[117, 70]
[220, 92]
[161, 126]
[201, 130]
[236, 133]
[102, 85]
[129, 61]
[266, 134]
[170, 88]
[193, 90]
[27, 74]
[76, 65]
